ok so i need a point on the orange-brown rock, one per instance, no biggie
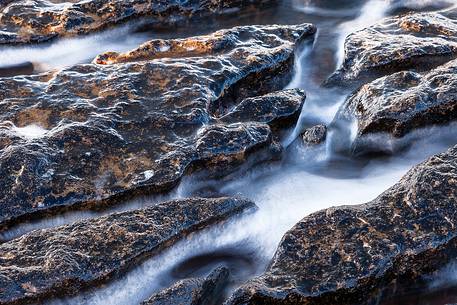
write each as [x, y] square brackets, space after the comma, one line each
[92, 135]
[414, 41]
[42, 20]
[392, 106]
[348, 255]
[63, 260]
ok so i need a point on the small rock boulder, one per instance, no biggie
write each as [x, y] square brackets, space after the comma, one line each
[315, 135]
[194, 291]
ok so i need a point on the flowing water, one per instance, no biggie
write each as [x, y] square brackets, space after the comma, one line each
[304, 181]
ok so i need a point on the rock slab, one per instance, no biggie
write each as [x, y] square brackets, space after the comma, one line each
[346, 255]
[95, 134]
[64, 260]
[42, 20]
[414, 41]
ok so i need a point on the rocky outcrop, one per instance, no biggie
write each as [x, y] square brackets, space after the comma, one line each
[415, 41]
[346, 255]
[401, 102]
[315, 135]
[64, 260]
[42, 20]
[194, 291]
[91, 135]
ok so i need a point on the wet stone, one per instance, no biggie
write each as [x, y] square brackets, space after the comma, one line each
[18, 69]
[315, 135]
[414, 41]
[63, 260]
[397, 104]
[349, 254]
[194, 291]
[42, 20]
[92, 135]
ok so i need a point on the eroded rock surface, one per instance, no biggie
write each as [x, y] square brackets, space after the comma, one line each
[415, 41]
[401, 102]
[315, 135]
[63, 260]
[41, 20]
[346, 254]
[91, 135]
[194, 291]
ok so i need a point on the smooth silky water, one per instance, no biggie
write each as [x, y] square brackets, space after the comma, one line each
[304, 181]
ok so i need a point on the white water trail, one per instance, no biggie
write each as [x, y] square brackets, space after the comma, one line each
[152, 275]
[375, 10]
[371, 12]
[73, 216]
[309, 8]
[284, 194]
[281, 206]
[69, 51]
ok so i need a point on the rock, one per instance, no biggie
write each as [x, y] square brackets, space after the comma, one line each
[93, 135]
[12, 70]
[346, 255]
[64, 260]
[398, 7]
[278, 109]
[401, 102]
[315, 135]
[416, 41]
[194, 291]
[42, 20]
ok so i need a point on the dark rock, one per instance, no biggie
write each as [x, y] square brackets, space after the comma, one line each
[278, 109]
[315, 135]
[42, 20]
[398, 7]
[401, 102]
[194, 291]
[111, 132]
[416, 41]
[64, 260]
[18, 69]
[346, 255]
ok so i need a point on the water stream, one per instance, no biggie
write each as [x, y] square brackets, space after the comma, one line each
[304, 181]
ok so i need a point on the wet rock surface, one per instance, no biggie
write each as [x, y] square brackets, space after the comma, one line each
[42, 20]
[64, 260]
[194, 291]
[395, 105]
[346, 255]
[315, 135]
[12, 70]
[414, 41]
[92, 135]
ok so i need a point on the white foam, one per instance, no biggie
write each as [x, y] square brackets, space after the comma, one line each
[285, 193]
[446, 277]
[370, 13]
[30, 132]
[69, 51]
